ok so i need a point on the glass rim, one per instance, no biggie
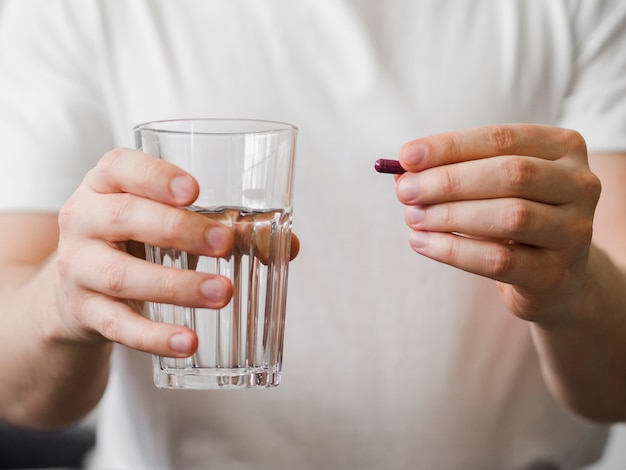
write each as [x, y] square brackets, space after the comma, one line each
[264, 126]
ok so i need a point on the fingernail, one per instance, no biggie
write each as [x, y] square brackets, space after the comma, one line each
[413, 215]
[212, 289]
[407, 189]
[182, 187]
[181, 343]
[418, 240]
[217, 238]
[413, 154]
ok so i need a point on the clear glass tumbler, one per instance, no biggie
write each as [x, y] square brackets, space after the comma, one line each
[245, 171]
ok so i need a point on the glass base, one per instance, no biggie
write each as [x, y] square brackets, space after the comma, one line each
[216, 378]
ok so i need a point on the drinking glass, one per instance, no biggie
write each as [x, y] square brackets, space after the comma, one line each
[244, 169]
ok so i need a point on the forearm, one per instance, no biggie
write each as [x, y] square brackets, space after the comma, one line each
[583, 357]
[48, 379]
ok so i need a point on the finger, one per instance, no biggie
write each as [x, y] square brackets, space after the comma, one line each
[260, 249]
[120, 275]
[132, 171]
[294, 247]
[504, 176]
[122, 216]
[519, 220]
[265, 244]
[259, 237]
[536, 140]
[117, 322]
[506, 262]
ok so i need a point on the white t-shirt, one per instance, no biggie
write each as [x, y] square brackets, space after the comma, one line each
[391, 360]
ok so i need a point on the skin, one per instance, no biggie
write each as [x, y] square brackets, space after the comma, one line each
[516, 203]
[527, 221]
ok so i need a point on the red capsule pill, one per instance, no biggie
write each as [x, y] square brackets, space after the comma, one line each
[384, 165]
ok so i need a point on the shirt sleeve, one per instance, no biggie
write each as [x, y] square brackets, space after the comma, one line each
[596, 104]
[53, 118]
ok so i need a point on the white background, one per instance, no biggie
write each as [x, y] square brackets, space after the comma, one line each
[615, 454]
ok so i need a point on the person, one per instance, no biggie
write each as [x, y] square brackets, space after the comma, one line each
[500, 347]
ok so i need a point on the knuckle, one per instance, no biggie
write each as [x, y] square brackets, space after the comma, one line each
[503, 138]
[173, 225]
[99, 177]
[110, 327]
[442, 216]
[67, 215]
[64, 261]
[142, 339]
[113, 275]
[448, 182]
[571, 142]
[499, 261]
[574, 140]
[168, 285]
[590, 185]
[109, 160]
[452, 250]
[455, 147]
[68, 262]
[118, 210]
[517, 217]
[518, 172]
[147, 170]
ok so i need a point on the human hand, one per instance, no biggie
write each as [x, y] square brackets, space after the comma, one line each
[131, 197]
[514, 203]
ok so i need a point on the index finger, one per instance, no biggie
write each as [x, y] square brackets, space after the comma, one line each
[534, 140]
[124, 170]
